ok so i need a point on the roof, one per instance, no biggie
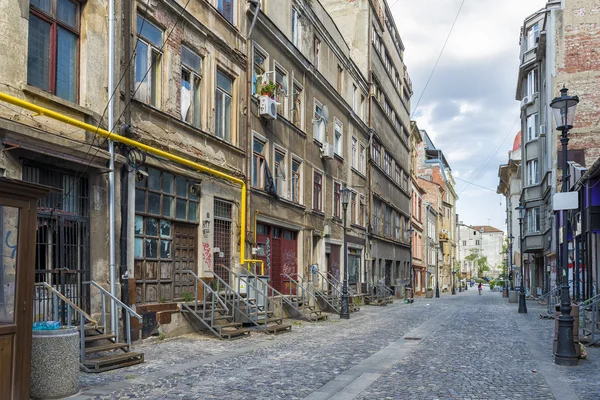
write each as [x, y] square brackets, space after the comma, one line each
[517, 142]
[486, 229]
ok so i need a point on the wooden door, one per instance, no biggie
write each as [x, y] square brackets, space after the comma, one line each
[18, 207]
[186, 258]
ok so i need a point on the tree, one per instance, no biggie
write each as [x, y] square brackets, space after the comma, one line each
[480, 261]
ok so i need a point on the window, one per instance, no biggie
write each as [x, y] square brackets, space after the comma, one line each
[397, 174]
[53, 47]
[464, 242]
[387, 162]
[316, 50]
[225, 7]
[353, 215]
[376, 205]
[353, 266]
[477, 243]
[190, 95]
[533, 35]
[148, 62]
[532, 82]
[223, 113]
[336, 199]
[388, 221]
[258, 163]
[532, 172]
[337, 140]
[404, 181]
[295, 28]
[319, 124]
[317, 191]
[340, 79]
[160, 199]
[361, 159]
[278, 171]
[354, 153]
[376, 152]
[281, 82]
[296, 174]
[533, 220]
[296, 111]
[532, 131]
[259, 67]
[362, 210]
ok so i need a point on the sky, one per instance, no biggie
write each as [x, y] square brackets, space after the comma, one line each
[469, 108]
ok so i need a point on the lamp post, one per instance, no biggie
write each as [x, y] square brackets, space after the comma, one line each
[522, 303]
[510, 260]
[345, 311]
[410, 260]
[437, 271]
[563, 109]
[453, 281]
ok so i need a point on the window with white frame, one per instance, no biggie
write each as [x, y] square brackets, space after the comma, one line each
[532, 123]
[533, 220]
[387, 162]
[223, 103]
[362, 159]
[297, 111]
[296, 179]
[226, 8]
[279, 173]
[190, 91]
[532, 82]
[336, 199]
[353, 214]
[338, 139]
[376, 153]
[259, 67]
[295, 27]
[388, 221]
[354, 153]
[319, 123]
[533, 35]
[397, 226]
[362, 210]
[376, 206]
[397, 174]
[148, 62]
[317, 191]
[259, 151]
[281, 82]
[532, 172]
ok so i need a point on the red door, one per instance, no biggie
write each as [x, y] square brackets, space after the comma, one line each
[289, 258]
[278, 250]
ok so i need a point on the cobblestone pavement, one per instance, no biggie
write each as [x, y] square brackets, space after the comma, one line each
[457, 347]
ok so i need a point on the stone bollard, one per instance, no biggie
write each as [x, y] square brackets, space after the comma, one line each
[54, 363]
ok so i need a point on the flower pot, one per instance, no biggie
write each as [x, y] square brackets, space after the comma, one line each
[429, 294]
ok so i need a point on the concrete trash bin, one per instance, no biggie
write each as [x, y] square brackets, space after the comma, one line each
[54, 363]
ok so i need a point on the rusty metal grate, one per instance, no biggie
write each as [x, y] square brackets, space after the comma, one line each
[222, 238]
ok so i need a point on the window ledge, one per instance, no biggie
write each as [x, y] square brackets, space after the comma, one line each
[359, 173]
[319, 213]
[339, 157]
[362, 228]
[32, 90]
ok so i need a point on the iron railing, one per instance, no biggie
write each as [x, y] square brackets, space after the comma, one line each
[49, 304]
[552, 298]
[302, 293]
[209, 297]
[236, 300]
[330, 292]
[589, 319]
[105, 296]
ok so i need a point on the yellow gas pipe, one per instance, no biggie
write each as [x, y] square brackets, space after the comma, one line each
[152, 150]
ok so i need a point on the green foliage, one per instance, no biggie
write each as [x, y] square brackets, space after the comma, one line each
[188, 297]
[163, 299]
[268, 89]
[492, 285]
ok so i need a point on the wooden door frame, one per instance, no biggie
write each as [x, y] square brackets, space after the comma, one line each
[16, 193]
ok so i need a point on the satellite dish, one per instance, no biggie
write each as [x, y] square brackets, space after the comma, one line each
[325, 114]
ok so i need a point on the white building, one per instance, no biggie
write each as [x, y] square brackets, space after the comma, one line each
[488, 241]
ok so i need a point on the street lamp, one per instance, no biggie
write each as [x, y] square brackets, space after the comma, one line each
[453, 280]
[345, 312]
[410, 260]
[563, 109]
[437, 271]
[510, 260]
[522, 303]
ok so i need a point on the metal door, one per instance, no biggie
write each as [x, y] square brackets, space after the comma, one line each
[222, 238]
[388, 273]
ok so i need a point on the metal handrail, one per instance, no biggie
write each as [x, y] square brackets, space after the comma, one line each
[230, 291]
[553, 298]
[592, 306]
[338, 282]
[130, 312]
[333, 285]
[71, 308]
[302, 288]
[207, 288]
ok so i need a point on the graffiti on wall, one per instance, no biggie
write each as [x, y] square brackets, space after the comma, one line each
[12, 247]
[289, 262]
[207, 255]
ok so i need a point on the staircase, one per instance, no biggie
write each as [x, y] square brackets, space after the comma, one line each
[100, 350]
[211, 312]
[589, 321]
[303, 300]
[552, 298]
[267, 301]
[330, 292]
[382, 296]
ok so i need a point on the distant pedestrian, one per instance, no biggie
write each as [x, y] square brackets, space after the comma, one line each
[479, 287]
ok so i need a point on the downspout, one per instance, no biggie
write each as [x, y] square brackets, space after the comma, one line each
[368, 157]
[111, 168]
[144, 147]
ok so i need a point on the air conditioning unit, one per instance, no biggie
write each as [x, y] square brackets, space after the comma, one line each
[542, 129]
[267, 108]
[327, 151]
[525, 101]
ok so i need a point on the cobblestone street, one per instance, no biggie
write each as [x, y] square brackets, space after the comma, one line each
[457, 347]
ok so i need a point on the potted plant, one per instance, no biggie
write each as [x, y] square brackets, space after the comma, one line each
[429, 292]
[268, 89]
